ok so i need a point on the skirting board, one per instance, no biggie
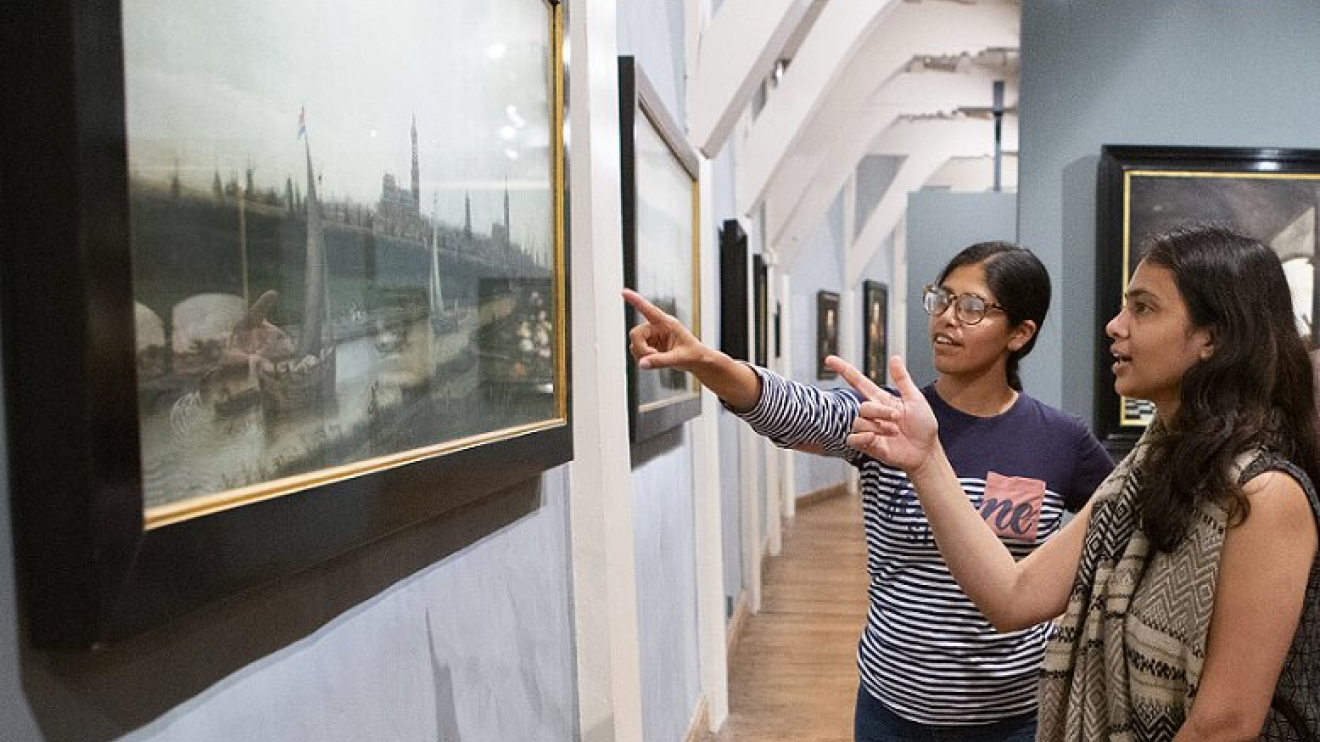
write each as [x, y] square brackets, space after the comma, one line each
[700, 721]
[736, 624]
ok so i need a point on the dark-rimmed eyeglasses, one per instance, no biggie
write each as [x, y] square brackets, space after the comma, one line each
[970, 309]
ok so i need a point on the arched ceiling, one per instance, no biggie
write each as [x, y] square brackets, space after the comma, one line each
[844, 79]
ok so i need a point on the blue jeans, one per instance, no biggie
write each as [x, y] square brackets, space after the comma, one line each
[876, 723]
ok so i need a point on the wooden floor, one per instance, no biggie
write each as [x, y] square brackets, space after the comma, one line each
[793, 674]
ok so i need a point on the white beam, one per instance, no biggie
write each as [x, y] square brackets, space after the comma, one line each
[928, 145]
[855, 46]
[736, 53]
[839, 33]
[799, 202]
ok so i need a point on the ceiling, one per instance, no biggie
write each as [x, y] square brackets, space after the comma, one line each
[805, 90]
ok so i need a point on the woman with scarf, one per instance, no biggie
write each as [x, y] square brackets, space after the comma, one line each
[1188, 588]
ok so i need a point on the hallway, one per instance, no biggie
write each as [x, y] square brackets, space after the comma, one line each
[792, 675]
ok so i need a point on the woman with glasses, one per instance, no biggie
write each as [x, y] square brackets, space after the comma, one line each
[931, 666]
[1189, 586]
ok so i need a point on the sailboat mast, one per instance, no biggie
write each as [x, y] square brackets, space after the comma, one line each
[315, 306]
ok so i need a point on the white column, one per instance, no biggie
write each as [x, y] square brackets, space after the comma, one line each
[712, 651]
[600, 498]
[849, 306]
[787, 469]
[898, 291]
[774, 501]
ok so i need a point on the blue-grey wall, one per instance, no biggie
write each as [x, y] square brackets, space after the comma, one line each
[939, 224]
[664, 526]
[457, 629]
[818, 267]
[1097, 72]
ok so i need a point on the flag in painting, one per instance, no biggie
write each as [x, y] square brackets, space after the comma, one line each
[302, 122]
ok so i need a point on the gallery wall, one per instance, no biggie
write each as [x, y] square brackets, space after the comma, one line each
[817, 267]
[653, 32]
[1099, 72]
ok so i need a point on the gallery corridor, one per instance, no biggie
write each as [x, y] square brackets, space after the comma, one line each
[792, 674]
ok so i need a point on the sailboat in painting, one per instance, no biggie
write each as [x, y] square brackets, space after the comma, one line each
[306, 380]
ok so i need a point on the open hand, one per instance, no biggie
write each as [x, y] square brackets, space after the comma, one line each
[900, 431]
[660, 340]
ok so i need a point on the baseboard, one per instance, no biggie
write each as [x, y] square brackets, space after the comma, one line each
[736, 624]
[700, 721]
[811, 498]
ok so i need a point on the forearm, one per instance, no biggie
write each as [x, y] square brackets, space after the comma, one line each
[976, 558]
[734, 382]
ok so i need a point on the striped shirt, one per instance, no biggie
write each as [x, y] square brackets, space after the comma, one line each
[926, 652]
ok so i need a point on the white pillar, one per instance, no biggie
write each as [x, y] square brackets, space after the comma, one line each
[712, 652]
[600, 498]
[787, 470]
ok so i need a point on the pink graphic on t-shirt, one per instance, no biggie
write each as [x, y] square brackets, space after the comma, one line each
[1011, 506]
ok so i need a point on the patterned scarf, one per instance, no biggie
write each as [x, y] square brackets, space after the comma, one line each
[1126, 658]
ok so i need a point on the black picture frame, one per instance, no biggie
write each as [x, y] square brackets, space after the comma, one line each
[657, 162]
[91, 569]
[760, 311]
[827, 332]
[875, 331]
[1270, 194]
[733, 290]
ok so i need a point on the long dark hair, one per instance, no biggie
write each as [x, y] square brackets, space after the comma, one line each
[1021, 285]
[1255, 389]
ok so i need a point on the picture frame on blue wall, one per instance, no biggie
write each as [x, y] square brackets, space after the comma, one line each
[660, 243]
[827, 332]
[734, 315]
[1272, 195]
[236, 344]
[875, 340]
[760, 311]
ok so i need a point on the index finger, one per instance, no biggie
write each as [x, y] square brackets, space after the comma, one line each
[857, 379]
[651, 312]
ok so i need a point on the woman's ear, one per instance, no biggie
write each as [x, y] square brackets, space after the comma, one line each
[1207, 339]
[1021, 334]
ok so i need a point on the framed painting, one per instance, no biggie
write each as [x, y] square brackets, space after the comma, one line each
[875, 341]
[760, 311]
[268, 310]
[1272, 195]
[660, 243]
[827, 332]
[734, 315]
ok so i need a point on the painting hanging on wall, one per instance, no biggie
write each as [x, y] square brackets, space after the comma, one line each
[321, 290]
[660, 243]
[760, 311]
[827, 332]
[733, 290]
[1272, 195]
[875, 341]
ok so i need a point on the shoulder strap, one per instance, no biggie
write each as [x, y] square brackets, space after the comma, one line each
[1270, 461]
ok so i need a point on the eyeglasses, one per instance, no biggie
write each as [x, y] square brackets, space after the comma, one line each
[970, 309]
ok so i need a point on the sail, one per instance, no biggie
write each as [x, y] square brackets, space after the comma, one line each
[315, 305]
[437, 299]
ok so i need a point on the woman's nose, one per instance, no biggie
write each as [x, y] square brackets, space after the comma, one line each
[1112, 327]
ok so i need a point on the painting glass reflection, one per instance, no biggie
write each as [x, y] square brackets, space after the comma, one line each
[345, 238]
[665, 253]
